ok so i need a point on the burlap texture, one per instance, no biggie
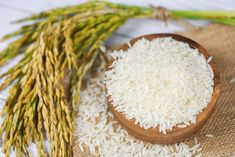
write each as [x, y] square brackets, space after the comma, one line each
[220, 41]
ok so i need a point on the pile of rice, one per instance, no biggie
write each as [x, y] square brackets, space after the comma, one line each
[98, 131]
[162, 83]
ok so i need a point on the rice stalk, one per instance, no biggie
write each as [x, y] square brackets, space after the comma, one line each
[37, 108]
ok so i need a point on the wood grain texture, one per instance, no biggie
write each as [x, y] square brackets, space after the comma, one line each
[176, 134]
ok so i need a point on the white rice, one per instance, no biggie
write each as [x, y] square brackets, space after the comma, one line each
[232, 80]
[162, 83]
[209, 59]
[209, 135]
[182, 126]
[129, 44]
[106, 138]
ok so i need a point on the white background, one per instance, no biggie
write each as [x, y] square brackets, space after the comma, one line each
[11, 10]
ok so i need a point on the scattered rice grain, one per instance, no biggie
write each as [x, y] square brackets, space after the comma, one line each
[232, 80]
[209, 135]
[209, 59]
[106, 138]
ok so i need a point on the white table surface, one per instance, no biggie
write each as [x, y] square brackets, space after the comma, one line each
[11, 10]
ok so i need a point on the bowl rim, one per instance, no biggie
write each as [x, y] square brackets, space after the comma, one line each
[176, 134]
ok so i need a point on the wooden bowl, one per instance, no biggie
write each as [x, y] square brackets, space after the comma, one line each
[176, 134]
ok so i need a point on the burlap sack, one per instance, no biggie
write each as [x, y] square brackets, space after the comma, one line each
[220, 41]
